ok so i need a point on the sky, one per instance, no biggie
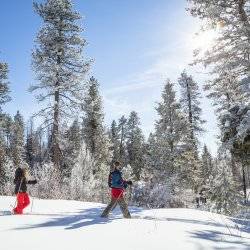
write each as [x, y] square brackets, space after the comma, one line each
[135, 46]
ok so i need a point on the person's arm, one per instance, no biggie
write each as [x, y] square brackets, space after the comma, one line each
[15, 179]
[125, 183]
[110, 180]
[32, 182]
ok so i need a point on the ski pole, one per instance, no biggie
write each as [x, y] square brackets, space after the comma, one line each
[32, 201]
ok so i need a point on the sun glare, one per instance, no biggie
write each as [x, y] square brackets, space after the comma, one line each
[204, 40]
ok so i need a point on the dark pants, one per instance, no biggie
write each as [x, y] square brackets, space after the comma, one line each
[112, 205]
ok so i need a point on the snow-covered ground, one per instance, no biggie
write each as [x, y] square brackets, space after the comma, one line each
[73, 225]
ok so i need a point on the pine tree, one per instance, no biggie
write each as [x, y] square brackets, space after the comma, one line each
[114, 137]
[190, 172]
[169, 129]
[235, 128]
[135, 145]
[59, 66]
[73, 142]
[206, 165]
[6, 130]
[17, 139]
[41, 157]
[32, 146]
[229, 61]
[224, 194]
[4, 88]
[93, 118]
[5, 153]
[152, 152]
[102, 167]
[225, 91]
[163, 151]
[190, 100]
[229, 55]
[93, 130]
[122, 133]
[4, 97]
[2, 168]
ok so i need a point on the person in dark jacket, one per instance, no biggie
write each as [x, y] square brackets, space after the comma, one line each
[118, 186]
[21, 182]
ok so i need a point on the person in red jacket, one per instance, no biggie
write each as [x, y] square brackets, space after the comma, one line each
[21, 181]
[118, 186]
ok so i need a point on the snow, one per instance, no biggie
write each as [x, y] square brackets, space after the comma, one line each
[65, 225]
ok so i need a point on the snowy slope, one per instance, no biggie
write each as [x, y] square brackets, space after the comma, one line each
[66, 225]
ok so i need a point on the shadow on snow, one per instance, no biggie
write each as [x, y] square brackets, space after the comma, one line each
[83, 218]
[86, 217]
[91, 216]
[222, 238]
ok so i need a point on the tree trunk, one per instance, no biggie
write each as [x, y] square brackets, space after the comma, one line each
[243, 16]
[190, 114]
[55, 132]
[244, 19]
[171, 144]
[244, 183]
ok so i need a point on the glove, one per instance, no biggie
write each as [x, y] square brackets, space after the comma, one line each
[129, 183]
[32, 182]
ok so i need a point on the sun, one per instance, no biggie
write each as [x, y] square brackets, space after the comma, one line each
[204, 40]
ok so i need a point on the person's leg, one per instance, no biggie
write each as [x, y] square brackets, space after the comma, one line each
[20, 201]
[110, 207]
[26, 200]
[124, 208]
[15, 210]
[197, 202]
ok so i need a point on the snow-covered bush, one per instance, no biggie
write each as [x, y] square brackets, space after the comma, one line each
[154, 194]
[86, 184]
[9, 170]
[48, 185]
[224, 195]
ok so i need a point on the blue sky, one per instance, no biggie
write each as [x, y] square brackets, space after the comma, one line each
[135, 46]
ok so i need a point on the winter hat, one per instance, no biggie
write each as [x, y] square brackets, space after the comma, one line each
[25, 165]
[25, 169]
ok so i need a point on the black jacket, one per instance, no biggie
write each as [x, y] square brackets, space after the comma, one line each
[21, 182]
